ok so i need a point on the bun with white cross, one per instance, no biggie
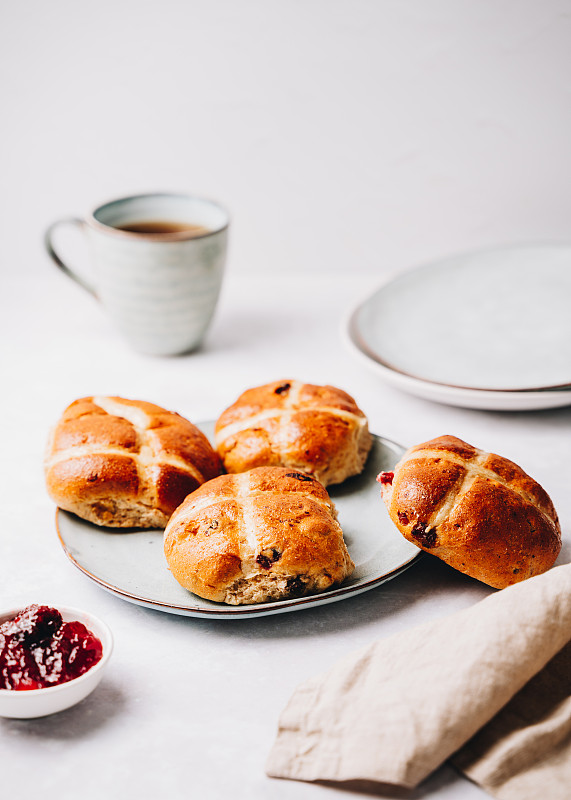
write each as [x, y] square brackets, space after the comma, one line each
[317, 429]
[267, 534]
[477, 511]
[125, 463]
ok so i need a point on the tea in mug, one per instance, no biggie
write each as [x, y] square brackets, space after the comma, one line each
[163, 226]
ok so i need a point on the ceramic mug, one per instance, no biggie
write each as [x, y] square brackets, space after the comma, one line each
[158, 263]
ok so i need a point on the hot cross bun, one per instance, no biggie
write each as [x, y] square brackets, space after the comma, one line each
[317, 429]
[477, 511]
[267, 534]
[125, 463]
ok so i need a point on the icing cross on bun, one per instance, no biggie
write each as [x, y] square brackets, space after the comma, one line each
[477, 511]
[125, 463]
[317, 429]
[267, 534]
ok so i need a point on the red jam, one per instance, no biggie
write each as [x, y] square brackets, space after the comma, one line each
[385, 478]
[38, 649]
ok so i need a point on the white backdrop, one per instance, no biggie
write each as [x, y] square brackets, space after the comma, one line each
[364, 135]
[349, 139]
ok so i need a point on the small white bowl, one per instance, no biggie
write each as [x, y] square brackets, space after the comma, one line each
[29, 703]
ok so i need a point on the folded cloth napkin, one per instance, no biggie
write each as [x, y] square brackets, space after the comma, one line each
[525, 751]
[397, 709]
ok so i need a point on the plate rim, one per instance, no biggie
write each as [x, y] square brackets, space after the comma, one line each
[226, 611]
[355, 338]
[463, 398]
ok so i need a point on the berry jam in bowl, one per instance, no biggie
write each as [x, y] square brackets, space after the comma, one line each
[50, 659]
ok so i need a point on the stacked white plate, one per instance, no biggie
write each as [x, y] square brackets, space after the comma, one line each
[490, 329]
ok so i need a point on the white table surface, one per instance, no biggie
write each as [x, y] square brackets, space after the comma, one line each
[189, 707]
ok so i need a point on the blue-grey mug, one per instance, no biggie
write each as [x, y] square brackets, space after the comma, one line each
[158, 263]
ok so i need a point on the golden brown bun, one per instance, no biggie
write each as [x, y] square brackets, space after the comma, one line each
[477, 511]
[318, 429]
[125, 463]
[267, 534]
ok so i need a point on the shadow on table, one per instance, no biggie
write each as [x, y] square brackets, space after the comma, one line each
[428, 579]
[96, 711]
[442, 780]
[238, 331]
[244, 329]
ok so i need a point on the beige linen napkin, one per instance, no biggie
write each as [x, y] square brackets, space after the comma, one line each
[395, 710]
[525, 751]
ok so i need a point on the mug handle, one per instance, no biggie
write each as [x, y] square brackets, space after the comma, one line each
[79, 223]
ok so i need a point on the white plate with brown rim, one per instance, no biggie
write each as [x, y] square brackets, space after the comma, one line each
[131, 563]
[489, 329]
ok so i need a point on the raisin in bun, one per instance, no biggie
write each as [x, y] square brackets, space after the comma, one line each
[125, 463]
[267, 534]
[477, 511]
[317, 429]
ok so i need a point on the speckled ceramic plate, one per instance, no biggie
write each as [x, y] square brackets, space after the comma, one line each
[131, 564]
[489, 329]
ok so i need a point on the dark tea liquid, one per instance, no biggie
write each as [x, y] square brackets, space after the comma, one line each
[162, 226]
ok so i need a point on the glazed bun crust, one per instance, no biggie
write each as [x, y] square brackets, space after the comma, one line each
[477, 511]
[125, 463]
[267, 534]
[317, 429]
